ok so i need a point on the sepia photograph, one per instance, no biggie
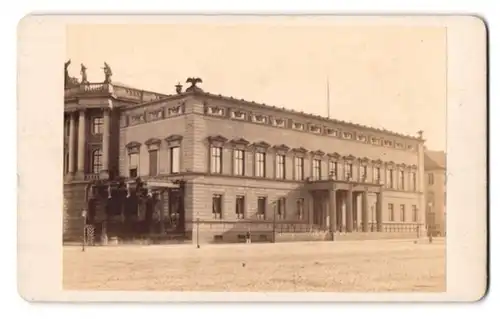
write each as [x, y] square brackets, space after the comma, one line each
[295, 154]
[292, 163]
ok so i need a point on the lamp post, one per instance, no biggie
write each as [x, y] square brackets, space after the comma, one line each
[84, 216]
[431, 224]
[198, 232]
[274, 222]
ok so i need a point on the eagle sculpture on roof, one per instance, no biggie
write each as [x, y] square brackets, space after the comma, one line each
[193, 86]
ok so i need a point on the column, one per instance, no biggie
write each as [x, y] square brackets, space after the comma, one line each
[310, 209]
[105, 141]
[355, 216]
[349, 211]
[332, 210]
[340, 211]
[71, 144]
[364, 212]
[379, 212]
[324, 206]
[81, 143]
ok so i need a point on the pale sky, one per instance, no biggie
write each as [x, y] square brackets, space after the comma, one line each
[385, 77]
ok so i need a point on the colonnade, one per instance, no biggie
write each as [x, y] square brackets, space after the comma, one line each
[78, 139]
[337, 210]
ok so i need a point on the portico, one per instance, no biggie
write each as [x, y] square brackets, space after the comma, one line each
[343, 206]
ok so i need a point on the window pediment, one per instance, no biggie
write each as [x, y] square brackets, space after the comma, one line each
[262, 145]
[318, 153]
[390, 164]
[364, 160]
[281, 147]
[350, 158]
[239, 142]
[334, 155]
[299, 150]
[174, 139]
[133, 147]
[413, 166]
[153, 141]
[217, 140]
[402, 165]
[377, 162]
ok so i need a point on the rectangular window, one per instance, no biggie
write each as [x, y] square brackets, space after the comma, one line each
[133, 164]
[391, 212]
[431, 178]
[66, 128]
[402, 180]
[402, 212]
[66, 163]
[316, 169]
[376, 174]
[175, 160]
[281, 209]
[240, 207]
[299, 168]
[414, 213]
[300, 208]
[391, 178]
[216, 160]
[153, 162]
[332, 170]
[364, 172]
[261, 207]
[260, 164]
[97, 125]
[280, 166]
[239, 162]
[217, 206]
[414, 181]
[348, 170]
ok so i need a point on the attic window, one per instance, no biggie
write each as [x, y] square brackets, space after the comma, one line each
[259, 118]
[375, 141]
[347, 135]
[388, 143]
[332, 132]
[279, 122]
[315, 129]
[298, 126]
[238, 115]
[399, 145]
[361, 138]
[215, 110]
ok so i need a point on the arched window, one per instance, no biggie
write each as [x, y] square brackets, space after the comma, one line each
[96, 161]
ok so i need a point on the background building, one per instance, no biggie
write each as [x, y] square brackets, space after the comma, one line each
[435, 185]
[216, 167]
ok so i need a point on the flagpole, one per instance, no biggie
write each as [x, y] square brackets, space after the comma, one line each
[328, 96]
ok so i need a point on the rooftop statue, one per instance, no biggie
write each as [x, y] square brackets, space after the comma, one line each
[83, 72]
[107, 73]
[66, 74]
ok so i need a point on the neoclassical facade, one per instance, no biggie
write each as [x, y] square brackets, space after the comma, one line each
[224, 166]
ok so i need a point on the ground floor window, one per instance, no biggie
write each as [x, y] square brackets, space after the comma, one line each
[217, 206]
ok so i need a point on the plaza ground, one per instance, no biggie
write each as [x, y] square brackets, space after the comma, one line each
[356, 266]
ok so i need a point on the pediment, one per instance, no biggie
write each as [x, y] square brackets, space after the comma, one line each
[174, 138]
[217, 139]
[281, 147]
[350, 157]
[261, 144]
[240, 141]
[133, 145]
[153, 141]
[334, 155]
[299, 150]
[318, 153]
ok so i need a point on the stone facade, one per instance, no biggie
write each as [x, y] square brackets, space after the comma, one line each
[198, 122]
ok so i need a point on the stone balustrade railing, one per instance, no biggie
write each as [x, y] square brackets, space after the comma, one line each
[110, 89]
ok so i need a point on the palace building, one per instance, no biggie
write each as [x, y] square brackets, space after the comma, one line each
[199, 165]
